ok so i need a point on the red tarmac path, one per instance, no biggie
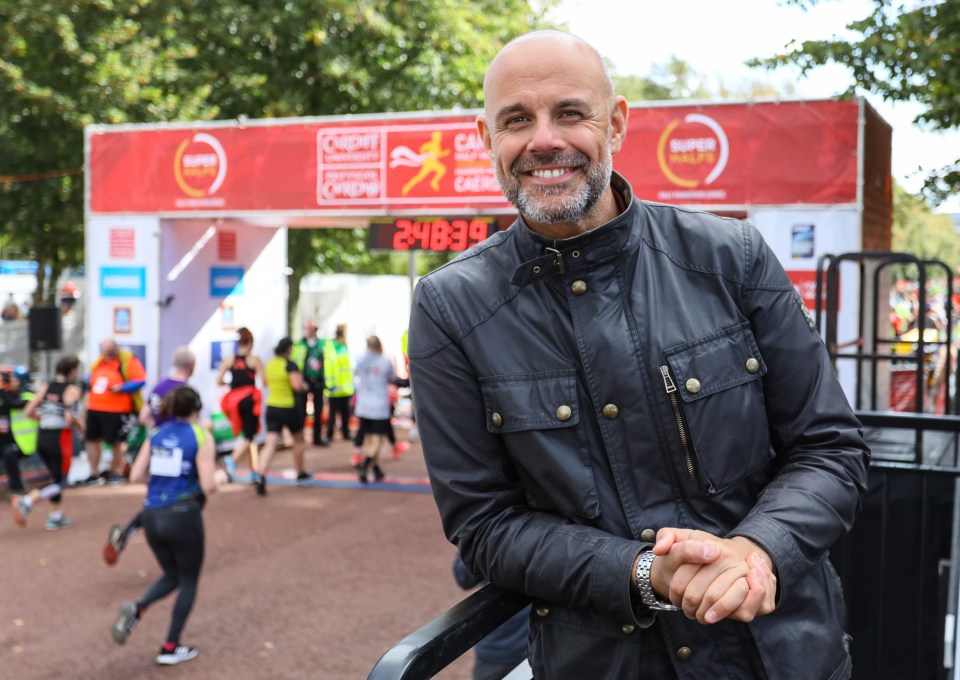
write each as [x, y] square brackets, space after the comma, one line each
[309, 582]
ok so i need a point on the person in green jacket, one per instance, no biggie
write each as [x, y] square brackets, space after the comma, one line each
[339, 379]
[308, 355]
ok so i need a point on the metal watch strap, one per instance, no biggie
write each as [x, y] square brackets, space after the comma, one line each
[647, 594]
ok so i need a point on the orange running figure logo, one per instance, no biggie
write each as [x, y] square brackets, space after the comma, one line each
[428, 159]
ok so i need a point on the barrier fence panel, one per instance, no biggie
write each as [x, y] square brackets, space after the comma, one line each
[895, 566]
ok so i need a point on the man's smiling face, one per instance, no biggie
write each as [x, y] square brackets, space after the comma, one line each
[551, 125]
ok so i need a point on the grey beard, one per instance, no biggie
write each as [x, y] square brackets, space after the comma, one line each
[572, 209]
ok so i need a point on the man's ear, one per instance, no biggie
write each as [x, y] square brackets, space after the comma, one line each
[618, 123]
[484, 131]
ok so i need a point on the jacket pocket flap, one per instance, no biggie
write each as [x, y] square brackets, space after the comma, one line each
[536, 401]
[716, 362]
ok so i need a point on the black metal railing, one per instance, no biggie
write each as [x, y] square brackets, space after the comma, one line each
[435, 645]
[895, 566]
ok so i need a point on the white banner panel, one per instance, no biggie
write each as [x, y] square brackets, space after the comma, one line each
[122, 286]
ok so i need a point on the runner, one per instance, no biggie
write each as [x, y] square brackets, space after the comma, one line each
[53, 406]
[182, 367]
[284, 382]
[242, 403]
[178, 465]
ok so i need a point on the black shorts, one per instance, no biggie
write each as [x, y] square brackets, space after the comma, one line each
[278, 418]
[112, 428]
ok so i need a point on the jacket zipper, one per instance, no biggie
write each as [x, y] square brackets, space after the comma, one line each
[671, 389]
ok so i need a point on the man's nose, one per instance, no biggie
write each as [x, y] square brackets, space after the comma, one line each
[547, 136]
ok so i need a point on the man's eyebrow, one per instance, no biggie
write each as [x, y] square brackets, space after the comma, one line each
[572, 103]
[509, 111]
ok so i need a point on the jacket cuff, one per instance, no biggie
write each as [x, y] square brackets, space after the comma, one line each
[788, 560]
[624, 602]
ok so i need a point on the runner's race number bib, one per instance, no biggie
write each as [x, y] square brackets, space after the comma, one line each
[166, 462]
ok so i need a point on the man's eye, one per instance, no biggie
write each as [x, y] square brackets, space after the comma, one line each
[513, 120]
[570, 114]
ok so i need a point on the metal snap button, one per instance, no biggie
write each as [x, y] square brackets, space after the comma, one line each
[564, 412]
[497, 419]
[610, 411]
[543, 611]
[628, 628]
[648, 535]
[752, 365]
[684, 653]
[693, 385]
[578, 287]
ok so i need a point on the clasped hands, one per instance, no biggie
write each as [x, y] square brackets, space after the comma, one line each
[712, 578]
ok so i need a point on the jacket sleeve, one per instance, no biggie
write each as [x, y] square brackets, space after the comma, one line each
[482, 506]
[822, 457]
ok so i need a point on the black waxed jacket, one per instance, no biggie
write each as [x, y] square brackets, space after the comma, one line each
[657, 371]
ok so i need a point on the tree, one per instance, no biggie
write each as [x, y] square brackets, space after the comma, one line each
[63, 66]
[918, 231]
[901, 55]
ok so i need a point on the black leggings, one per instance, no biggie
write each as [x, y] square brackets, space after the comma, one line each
[50, 451]
[175, 534]
[341, 406]
[11, 462]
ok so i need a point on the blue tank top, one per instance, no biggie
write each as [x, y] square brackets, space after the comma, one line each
[173, 463]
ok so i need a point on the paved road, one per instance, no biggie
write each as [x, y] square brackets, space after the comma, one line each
[309, 582]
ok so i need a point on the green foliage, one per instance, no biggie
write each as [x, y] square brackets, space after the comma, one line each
[67, 65]
[918, 231]
[901, 54]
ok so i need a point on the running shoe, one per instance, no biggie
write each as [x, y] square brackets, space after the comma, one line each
[231, 466]
[261, 485]
[116, 480]
[116, 540]
[400, 448]
[126, 620]
[21, 508]
[57, 524]
[356, 460]
[304, 476]
[378, 474]
[179, 654]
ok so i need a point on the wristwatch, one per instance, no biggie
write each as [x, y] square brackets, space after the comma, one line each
[647, 594]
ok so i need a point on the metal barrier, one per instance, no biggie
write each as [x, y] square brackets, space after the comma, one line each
[895, 566]
[434, 646]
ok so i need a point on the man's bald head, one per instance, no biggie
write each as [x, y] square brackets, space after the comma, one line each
[109, 349]
[548, 42]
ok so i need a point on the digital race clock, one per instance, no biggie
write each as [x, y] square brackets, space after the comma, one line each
[434, 234]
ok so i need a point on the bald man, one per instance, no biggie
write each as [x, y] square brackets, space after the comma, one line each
[613, 411]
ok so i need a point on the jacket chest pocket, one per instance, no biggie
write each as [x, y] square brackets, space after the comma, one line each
[715, 392]
[537, 416]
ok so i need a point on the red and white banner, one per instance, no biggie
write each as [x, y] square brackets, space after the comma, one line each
[719, 155]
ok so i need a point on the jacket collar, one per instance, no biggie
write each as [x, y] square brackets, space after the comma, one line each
[545, 257]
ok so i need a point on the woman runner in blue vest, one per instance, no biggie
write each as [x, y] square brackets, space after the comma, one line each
[177, 462]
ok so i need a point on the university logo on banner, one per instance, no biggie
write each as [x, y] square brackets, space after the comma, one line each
[406, 164]
[692, 153]
[200, 168]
